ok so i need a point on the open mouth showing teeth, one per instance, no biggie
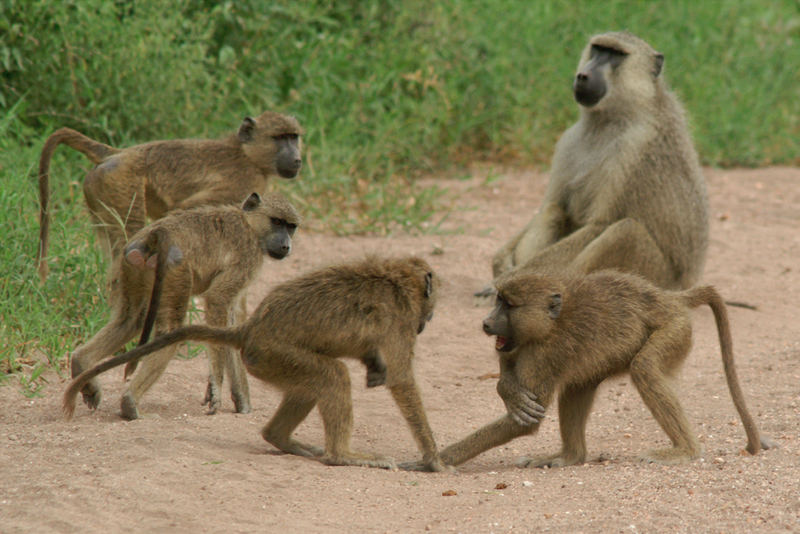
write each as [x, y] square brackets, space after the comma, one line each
[503, 344]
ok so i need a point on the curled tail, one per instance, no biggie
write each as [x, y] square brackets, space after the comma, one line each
[708, 295]
[227, 336]
[92, 149]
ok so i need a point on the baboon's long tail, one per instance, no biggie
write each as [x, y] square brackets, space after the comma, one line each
[92, 149]
[708, 295]
[228, 336]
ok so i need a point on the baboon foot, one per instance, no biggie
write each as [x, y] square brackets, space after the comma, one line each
[212, 399]
[128, 407]
[291, 446]
[361, 460]
[552, 460]
[429, 466]
[92, 395]
[241, 402]
[91, 391]
[671, 456]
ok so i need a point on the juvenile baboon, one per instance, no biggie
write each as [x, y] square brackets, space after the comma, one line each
[626, 189]
[211, 251]
[371, 311]
[128, 186]
[567, 335]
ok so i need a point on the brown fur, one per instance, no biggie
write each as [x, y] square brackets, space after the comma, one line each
[372, 311]
[128, 186]
[566, 335]
[626, 190]
[212, 251]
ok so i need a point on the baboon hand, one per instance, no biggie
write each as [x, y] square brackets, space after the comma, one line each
[520, 403]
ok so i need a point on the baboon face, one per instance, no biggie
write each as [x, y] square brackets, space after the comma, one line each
[275, 221]
[525, 311]
[273, 142]
[617, 62]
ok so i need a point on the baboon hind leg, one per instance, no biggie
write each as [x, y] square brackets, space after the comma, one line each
[574, 405]
[651, 371]
[627, 246]
[170, 316]
[106, 342]
[312, 379]
[117, 206]
[220, 310]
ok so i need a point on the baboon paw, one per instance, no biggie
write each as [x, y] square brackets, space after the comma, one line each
[413, 466]
[128, 408]
[547, 461]
[212, 399]
[242, 405]
[91, 397]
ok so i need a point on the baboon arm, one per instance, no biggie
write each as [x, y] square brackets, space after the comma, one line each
[492, 435]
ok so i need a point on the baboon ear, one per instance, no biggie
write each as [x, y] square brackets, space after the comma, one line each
[252, 202]
[554, 307]
[428, 284]
[246, 130]
[658, 64]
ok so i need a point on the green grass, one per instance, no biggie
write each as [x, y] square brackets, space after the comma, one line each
[387, 90]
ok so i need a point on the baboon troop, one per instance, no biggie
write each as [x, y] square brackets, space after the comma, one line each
[372, 311]
[565, 336]
[213, 252]
[599, 283]
[130, 185]
[626, 191]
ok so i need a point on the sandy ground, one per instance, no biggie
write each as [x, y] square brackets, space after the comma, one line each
[179, 470]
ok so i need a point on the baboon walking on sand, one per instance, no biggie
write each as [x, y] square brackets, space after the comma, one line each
[626, 189]
[130, 185]
[371, 311]
[211, 251]
[564, 336]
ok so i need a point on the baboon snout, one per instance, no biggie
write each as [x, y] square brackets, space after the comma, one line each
[487, 327]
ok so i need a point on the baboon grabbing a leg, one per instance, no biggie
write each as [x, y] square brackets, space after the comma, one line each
[564, 336]
[626, 190]
[128, 186]
[214, 252]
[371, 311]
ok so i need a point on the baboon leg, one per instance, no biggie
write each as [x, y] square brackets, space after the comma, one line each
[492, 435]
[294, 408]
[117, 206]
[171, 312]
[627, 246]
[651, 374]
[309, 378]
[544, 230]
[110, 338]
[404, 390]
[336, 408]
[574, 404]
[559, 257]
[220, 311]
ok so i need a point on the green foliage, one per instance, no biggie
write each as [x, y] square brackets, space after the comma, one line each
[386, 89]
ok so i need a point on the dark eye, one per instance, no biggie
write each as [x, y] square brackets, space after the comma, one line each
[285, 137]
[291, 227]
[276, 221]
